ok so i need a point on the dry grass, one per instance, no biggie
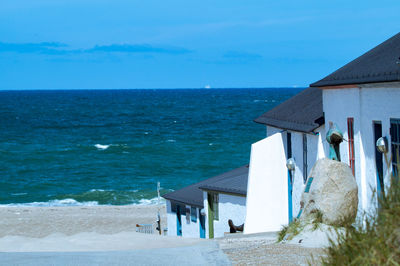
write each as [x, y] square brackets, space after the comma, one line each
[296, 226]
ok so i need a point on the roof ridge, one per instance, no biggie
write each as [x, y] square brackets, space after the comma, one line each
[379, 64]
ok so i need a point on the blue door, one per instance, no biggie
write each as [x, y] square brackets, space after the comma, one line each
[290, 192]
[202, 224]
[178, 221]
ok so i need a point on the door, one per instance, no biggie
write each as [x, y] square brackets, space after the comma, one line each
[202, 224]
[210, 200]
[350, 133]
[378, 160]
[178, 221]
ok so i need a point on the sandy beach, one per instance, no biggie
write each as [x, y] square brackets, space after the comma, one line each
[38, 222]
[96, 235]
[38, 233]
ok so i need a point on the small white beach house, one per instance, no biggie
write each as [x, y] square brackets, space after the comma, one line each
[363, 99]
[203, 209]
[225, 198]
[295, 130]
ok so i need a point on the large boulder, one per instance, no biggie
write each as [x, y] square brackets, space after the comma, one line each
[331, 190]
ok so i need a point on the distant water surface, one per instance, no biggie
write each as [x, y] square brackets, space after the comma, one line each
[90, 147]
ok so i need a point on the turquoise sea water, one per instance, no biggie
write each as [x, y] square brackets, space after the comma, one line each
[112, 146]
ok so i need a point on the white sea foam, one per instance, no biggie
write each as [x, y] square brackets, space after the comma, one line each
[153, 201]
[171, 140]
[102, 147]
[72, 202]
[98, 190]
[52, 203]
[18, 194]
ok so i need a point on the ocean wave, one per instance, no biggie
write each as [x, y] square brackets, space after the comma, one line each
[153, 201]
[102, 147]
[52, 203]
[19, 194]
[114, 197]
[72, 202]
[171, 140]
[106, 146]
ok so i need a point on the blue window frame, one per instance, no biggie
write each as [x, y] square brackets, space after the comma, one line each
[395, 144]
[305, 166]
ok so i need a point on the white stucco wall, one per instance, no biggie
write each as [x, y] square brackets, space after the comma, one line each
[365, 105]
[191, 230]
[171, 220]
[273, 130]
[315, 151]
[267, 189]
[230, 207]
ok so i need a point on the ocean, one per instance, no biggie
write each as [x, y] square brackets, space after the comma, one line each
[111, 147]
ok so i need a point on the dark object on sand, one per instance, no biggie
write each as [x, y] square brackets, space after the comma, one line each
[234, 228]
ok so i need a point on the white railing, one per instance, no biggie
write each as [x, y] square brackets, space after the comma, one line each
[144, 228]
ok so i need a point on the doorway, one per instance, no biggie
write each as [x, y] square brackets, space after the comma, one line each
[210, 200]
[178, 221]
[378, 159]
[202, 223]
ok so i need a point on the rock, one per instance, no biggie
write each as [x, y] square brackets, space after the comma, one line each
[331, 190]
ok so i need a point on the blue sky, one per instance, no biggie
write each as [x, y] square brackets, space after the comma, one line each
[97, 44]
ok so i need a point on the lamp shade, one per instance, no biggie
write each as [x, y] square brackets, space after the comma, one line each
[382, 145]
[290, 164]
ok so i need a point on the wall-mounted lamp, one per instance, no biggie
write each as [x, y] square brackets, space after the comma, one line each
[290, 164]
[202, 212]
[382, 145]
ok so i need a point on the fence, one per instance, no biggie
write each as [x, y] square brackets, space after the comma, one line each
[144, 228]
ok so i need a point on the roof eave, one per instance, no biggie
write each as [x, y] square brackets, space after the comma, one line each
[315, 126]
[236, 192]
[192, 203]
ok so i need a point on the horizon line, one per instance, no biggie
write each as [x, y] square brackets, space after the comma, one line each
[193, 88]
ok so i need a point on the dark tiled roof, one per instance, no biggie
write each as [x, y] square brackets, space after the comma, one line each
[193, 195]
[234, 181]
[381, 64]
[303, 112]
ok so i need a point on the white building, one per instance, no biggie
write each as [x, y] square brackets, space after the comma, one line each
[184, 212]
[224, 198]
[363, 99]
[294, 129]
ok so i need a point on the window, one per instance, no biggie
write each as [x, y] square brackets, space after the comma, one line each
[395, 143]
[193, 214]
[350, 132]
[188, 215]
[305, 158]
[289, 145]
[215, 202]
